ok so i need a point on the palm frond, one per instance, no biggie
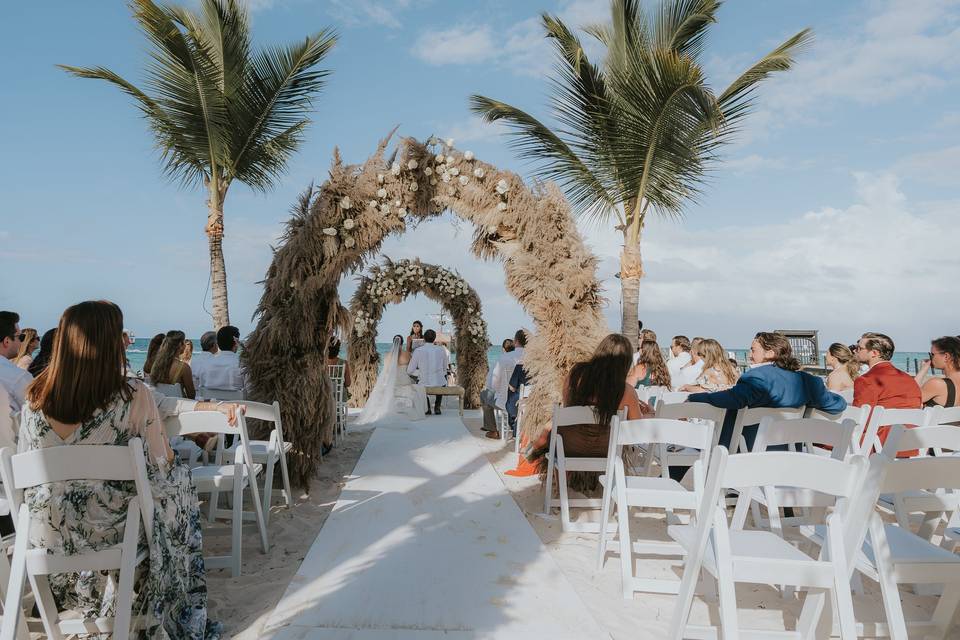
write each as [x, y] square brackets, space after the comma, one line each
[681, 25]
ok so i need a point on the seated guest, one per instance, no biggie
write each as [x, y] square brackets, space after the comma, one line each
[488, 396]
[430, 363]
[222, 371]
[650, 370]
[718, 373]
[30, 343]
[517, 379]
[645, 336]
[46, 349]
[152, 348]
[13, 378]
[208, 347]
[187, 355]
[83, 398]
[169, 368]
[679, 356]
[941, 392]
[883, 385]
[775, 380]
[601, 383]
[333, 358]
[845, 368]
[690, 372]
[504, 369]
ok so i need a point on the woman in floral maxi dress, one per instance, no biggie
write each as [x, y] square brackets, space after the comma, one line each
[83, 398]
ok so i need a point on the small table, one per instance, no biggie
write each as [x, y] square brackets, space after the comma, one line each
[446, 391]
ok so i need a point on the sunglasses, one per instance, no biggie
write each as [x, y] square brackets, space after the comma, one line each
[19, 336]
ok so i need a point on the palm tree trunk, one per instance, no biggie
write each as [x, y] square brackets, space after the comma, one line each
[631, 270]
[218, 269]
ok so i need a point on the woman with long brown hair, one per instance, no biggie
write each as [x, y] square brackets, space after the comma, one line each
[83, 398]
[152, 349]
[651, 369]
[844, 365]
[168, 368]
[599, 382]
[31, 341]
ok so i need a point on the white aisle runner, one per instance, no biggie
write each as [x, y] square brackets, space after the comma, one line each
[426, 542]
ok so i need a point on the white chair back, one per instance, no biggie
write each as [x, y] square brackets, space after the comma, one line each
[170, 390]
[807, 432]
[662, 431]
[941, 415]
[60, 464]
[751, 416]
[883, 417]
[673, 397]
[695, 411]
[860, 415]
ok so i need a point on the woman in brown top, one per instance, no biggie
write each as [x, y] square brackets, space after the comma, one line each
[168, 368]
[600, 382]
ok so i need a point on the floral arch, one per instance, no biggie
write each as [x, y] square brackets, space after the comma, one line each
[336, 228]
[393, 282]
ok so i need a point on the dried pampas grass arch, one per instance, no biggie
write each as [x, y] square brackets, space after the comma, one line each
[336, 228]
[392, 282]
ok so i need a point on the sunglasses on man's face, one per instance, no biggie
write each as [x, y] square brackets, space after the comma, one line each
[20, 337]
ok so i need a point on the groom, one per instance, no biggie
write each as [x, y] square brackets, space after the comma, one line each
[432, 361]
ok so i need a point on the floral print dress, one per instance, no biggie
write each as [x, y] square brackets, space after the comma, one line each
[81, 516]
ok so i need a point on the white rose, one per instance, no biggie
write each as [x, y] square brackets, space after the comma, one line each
[414, 186]
[349, 242]
[397, 203]
[433, 181]
[413, 164]
[427, 171]
[455, 171]
[502, 186]
[348, 224]
[439, 158]
[402, 211]
[502, 206]
[395, 169]
[451, 191]
[380, 178]
[468, 156]
[446, 177]
[372, 204]
[345, 202]
[384, 208]
[381, 193]
[330, 231]
[449, 142]
[478, 173]
[464, 180]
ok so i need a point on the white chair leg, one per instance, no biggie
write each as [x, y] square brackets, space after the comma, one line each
[258, 511]
[893, 609]
[604, 519]
[548, 489]
[626, 548]
[565, 521]
[947, 605]
[728, 602]
[688, 587]
[236, 540]
[268, 489]
[842, 596]
[287, 491]
[14, 581]
[124, 604]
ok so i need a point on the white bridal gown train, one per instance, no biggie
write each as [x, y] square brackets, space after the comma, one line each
[394, 394]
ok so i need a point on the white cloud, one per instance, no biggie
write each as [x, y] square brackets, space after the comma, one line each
[362, 12]
[471, 129]
[907, 47]
[752, 163]
[521, 49]
[939, 167]
[457, 45]
[870, 265]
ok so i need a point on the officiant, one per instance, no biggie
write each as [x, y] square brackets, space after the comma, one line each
[430, 362]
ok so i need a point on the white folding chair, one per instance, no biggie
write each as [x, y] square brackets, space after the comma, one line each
[235, 477]
[944, 415]
[267, 452]
[557, 460]
[672, 397]
[751, 416]
[207, 393]
[805, 435]
[762, 557]
[859, 415]
[337, 377]
[685, 456]
[170, 390]
[62, 464]
[894, 555]
[883, 417]
[651, 395]
[625, 491]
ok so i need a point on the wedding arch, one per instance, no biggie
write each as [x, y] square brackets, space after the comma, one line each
[393, 282]
[336, 228]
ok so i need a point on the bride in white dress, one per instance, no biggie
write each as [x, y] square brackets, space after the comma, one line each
[394, 393]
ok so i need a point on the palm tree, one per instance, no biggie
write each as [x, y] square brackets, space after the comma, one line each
[640, 132]
[218, 111]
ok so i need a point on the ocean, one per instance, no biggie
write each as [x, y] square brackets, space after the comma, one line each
[137, 353]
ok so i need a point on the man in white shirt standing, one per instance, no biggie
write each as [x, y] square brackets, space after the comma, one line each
[680, 352]
[430, 362]
[222, 370]
[502, 372]
[488, 397]
[208, 347]
[12, 378]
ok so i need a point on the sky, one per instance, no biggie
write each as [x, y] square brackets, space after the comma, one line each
[835, 209]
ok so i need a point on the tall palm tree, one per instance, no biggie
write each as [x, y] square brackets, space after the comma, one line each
[640, 132]
[218, 111]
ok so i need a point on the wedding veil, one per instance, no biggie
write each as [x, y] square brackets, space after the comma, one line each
[381, 400]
